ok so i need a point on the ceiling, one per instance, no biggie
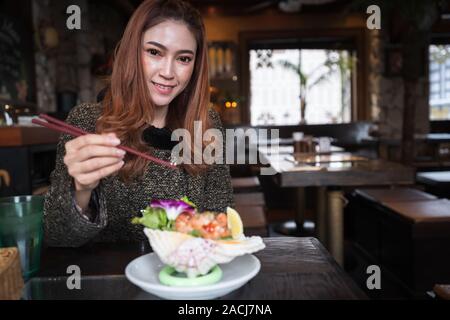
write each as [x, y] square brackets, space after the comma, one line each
[243, 7]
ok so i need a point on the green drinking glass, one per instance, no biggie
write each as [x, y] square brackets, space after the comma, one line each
[21, 227]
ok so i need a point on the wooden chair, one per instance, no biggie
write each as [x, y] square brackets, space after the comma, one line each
[415, 242]
[253, 219]
[252, 209]
[5, 178]
[245, 184]
[249, 199]
[364, 214]
[5, 183]
[406, 232]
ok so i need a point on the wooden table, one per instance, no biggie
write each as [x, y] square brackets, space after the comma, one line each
[287, 149]
[291, 268]
[329, 224]
[435, 146]
[19, 135]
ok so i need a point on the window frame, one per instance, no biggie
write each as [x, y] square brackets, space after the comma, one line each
[441, 37]
[357, 36]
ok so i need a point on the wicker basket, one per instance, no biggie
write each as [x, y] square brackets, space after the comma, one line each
[11, 281]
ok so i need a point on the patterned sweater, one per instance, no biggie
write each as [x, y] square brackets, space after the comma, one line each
[115, 202]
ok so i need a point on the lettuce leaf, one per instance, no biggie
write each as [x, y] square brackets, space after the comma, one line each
[161, 214]
[189, 202]
[152, 218]
[195, 233]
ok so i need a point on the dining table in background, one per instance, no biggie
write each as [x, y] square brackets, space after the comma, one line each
[272, 147]
[329, 175]
[432, 149]
[291, 268]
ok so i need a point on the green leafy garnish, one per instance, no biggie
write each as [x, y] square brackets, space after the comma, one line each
[161, 214]
[170, 226]
[153, 218]
[195, 233]
[189, 202]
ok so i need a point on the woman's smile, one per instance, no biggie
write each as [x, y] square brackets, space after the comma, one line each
[163, 89]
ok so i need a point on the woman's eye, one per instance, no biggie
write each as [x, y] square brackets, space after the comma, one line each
[185, 59]
[153, 52]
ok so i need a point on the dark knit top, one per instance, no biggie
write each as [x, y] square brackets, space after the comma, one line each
[115, 202]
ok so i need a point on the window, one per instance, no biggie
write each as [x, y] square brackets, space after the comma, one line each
[439, 82]
[292, 86]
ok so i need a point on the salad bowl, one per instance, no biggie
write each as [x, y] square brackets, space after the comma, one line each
[143, 272]
[202, 252]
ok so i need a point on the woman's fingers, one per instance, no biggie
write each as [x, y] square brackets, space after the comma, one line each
[91, 157]
[93, 151]
[95, 176]
[92, 165]
[91, 139]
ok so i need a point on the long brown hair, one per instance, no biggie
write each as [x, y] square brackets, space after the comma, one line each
[127, 105]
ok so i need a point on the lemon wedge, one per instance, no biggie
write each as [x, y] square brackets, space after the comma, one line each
[234, 223]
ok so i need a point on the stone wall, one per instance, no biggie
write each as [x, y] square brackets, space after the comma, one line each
[68, 67]
[386, 93]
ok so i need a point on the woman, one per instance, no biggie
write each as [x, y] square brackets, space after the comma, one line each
[159, 83]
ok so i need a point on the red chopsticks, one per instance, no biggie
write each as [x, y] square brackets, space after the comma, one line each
[63, 127]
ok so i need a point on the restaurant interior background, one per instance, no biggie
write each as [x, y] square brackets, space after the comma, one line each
[320, 67]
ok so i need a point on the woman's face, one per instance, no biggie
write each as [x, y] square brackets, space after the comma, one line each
[168, 58]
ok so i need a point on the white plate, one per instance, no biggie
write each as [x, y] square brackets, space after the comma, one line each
[144, 271]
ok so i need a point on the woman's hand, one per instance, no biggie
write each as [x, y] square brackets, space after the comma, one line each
[91, 157]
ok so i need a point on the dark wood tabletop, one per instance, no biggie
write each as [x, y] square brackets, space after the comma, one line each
[288, 149]
[345, 173]
[14, 136]
[291, 268]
